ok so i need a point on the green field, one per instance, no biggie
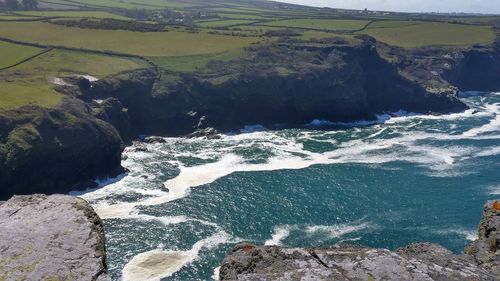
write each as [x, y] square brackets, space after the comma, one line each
[11, 54]
[193, 63]
[74, 14]
[321, 24]
[224, 23]
[30, 82]
[241, 16]
[173, 43]
[14, 17]
[431, 33]
[392, 24]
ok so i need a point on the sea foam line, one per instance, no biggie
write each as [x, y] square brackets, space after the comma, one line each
[157, 264]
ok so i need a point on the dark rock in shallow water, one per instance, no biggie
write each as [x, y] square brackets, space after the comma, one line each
[51, 238]
[350, 262]
[154, 140]
[208, 133]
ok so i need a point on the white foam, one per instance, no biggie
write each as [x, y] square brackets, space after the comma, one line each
[492, 126]
[158, 264]
[279, 234]
[494, 190]
[336, 231]
[155, 265]
[216, 275]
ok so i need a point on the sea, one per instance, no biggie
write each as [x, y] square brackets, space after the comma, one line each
[402, 179]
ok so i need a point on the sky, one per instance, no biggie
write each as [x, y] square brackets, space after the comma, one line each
[468, 6]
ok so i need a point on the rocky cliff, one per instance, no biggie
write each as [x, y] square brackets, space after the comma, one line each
[350, 262]
[51, 238]
[288, 84]
[50, 150]
[278, 84]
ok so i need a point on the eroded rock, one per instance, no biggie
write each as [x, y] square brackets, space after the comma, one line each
[54, 237]
[423, 261]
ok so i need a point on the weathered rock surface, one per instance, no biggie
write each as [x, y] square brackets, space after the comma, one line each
[51, 238]
[486, 249]
[350, 262]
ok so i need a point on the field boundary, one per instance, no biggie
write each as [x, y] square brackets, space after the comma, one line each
[27, 59]
[86, 51]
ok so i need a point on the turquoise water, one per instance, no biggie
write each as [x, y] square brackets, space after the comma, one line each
[187, 202]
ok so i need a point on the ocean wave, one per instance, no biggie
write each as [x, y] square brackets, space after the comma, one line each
[336, 231]
[279, 234]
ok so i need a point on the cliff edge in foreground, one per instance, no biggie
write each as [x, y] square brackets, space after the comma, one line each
[349, 262]
[51, 238]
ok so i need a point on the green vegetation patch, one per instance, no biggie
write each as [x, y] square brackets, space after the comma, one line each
[224, 23]
[32, 81]
[173, 43]
[433, 33]
[321, 24]
[74, 14]
[11, 54]
[194, 63]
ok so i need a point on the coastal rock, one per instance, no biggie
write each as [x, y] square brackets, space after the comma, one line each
[486, 249]
[208, 133]
[423, 261]
[54, 237]
[348, 262]
[52, 150]
[153, 139]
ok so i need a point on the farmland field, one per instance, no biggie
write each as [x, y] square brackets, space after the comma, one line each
[224, 23]
[11, 54]
[321, 24]
[73, 14]
[173, 43]
[432, 33]
[192, 63]
[30, 82]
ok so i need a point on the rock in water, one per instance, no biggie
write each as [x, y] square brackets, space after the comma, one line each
[348, 262]
[54, 237]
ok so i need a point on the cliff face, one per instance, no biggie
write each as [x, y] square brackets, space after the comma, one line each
[349, 262]
[51, 150]
[51, 238]
[276, 84]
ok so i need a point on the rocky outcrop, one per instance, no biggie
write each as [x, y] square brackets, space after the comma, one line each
[51, 238]
[486, 249]
[351, 262]
[52, 150]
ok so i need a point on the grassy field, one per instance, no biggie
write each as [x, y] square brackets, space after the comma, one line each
[11, 54]
[173, 43]
[392, 24]
[431, 33]
[30, 82]
[223, 23]
[321, 24]
[14, 17]
[74, 14]
[241, 16]
[193, 63]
